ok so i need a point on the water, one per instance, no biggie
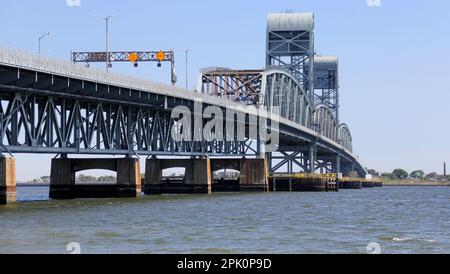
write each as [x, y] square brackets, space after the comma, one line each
[399, 219]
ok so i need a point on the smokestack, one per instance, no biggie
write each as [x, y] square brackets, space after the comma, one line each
[445, 169]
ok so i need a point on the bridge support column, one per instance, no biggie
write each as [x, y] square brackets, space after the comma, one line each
[153, 177]
[312, 157]
[199, 176]
[269, 162]
[338, 164]
[62, 179]
[7, 180]
[128, 177]
[254, 175]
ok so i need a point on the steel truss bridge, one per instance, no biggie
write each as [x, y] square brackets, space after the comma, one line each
[57, 107]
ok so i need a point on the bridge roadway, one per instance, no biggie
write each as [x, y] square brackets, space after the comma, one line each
[57, 107]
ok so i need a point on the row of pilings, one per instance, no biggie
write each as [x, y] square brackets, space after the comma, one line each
[198, 178]
[358, 183]
[307, 182]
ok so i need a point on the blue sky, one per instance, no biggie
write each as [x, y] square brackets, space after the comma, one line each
[394, 59]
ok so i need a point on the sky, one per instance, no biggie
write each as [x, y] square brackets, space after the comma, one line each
[394, 58]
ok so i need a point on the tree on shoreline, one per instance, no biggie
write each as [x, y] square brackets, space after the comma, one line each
[432, 175]
[417, 174]
[400, 174]
[373, 172]
[387, 175]
[86, 178]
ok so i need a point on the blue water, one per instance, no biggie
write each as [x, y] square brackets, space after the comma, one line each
[398, 219]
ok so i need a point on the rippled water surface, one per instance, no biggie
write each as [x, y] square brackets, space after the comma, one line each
[400, 219]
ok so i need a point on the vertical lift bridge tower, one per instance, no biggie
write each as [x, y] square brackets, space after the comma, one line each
[290, 46]
[326, 83]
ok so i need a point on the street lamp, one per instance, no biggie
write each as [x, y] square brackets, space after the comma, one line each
[42, 37]
[108, 62]
[186, 51]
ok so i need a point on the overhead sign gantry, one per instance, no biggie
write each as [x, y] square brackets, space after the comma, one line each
[128, 56]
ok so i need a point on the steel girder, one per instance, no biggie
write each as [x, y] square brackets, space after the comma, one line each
[242, 86]
[32, 122]
[45, 113]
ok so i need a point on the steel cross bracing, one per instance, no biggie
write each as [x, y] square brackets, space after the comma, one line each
[45, 113]
[326, 83]
[34, 122]
[239, 86]
[290, 161]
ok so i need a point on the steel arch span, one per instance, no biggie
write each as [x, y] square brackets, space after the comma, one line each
[325, 122]
[345, 137]
[278, 92]
[273, 90]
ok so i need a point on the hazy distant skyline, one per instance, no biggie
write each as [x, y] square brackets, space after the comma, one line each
[393, 59]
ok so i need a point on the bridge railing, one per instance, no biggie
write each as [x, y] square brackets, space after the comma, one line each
[29, 60]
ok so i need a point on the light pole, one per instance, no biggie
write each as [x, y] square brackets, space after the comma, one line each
[108, 63]
[40, 38]
[186, 51]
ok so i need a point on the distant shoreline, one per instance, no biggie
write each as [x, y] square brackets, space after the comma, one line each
[384, 184]
[48, 184]
[416, 184]
[32, 184]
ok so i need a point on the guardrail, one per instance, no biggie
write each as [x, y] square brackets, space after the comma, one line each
[27, 60]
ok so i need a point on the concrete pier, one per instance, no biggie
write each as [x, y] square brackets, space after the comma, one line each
[62, 178]
[7, 180]
[254, 175]
[198, 176]
[153, 177]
